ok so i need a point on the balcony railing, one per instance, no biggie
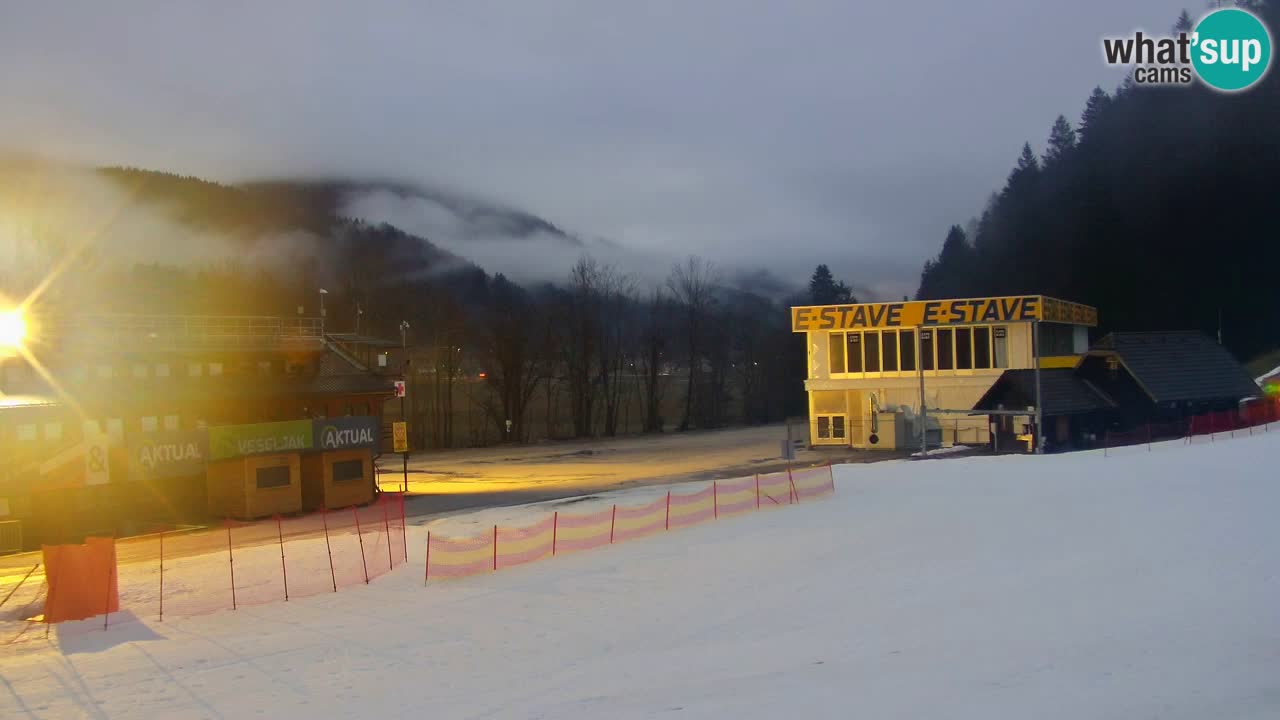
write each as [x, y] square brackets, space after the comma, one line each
[188, 332]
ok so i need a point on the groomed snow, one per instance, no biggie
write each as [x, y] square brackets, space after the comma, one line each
[1132, 586]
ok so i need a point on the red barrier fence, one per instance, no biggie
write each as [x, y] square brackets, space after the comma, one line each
[239, 564]
[559, 533]
[1252, 417]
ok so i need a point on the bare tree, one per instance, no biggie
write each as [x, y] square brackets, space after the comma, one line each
[692, 284]
[515, 343]
[655, 333]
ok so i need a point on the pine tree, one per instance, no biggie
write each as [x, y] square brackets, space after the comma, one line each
[1062, 142]
[824, 290]
[1183, 25]
[1094, 109]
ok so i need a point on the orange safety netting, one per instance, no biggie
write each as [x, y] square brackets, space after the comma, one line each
[451, 557]
[82, 580]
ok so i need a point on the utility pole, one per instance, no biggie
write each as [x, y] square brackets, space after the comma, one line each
[1035, 358]
[404, 372]
[924, 418]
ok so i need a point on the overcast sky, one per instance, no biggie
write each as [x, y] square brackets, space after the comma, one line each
[756, 134]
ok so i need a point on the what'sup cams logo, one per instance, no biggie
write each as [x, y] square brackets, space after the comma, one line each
[1229, 50]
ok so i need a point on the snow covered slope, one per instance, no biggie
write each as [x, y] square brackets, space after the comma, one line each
[1073, 586]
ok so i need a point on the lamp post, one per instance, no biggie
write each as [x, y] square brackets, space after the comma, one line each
[404, 373]
[323, 292]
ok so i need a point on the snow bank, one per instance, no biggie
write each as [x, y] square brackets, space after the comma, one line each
[1062, 586]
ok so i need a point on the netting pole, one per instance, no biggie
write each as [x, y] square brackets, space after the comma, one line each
[20, 582]
[231, 562]
[386, 525]
[426, 573]
[757, 491]
[715, 500]
[831, 473]
[324, 518]
[495, 547]
[613, 522]
[284, 572]
[161, 576]
[1148, 437]
[106, 596]
[404, 533]
[1212, 426]
[355, 512]
[1106, 442]
[795, 494]
[668, 523]
[555, 529]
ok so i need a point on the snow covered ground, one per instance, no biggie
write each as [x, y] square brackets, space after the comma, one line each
[1132, 586]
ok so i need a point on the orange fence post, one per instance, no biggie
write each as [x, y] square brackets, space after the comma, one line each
[360, 535]
[324, 518]
[426, 574]
[668, 521]
[231, 562]
[284, 572]
[495, 547]
[111, 576]
[555, 529]
[161, 576]
[613, 522]
[386, 525]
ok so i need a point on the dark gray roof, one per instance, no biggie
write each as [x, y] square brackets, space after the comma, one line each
[1180, 366]
[1061, 390]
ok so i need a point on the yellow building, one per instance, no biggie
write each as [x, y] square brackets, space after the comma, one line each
[868, 362]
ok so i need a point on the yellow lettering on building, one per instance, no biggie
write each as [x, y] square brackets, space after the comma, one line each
[972, 311]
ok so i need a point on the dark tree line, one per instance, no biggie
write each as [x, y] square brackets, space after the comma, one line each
[1158, 207]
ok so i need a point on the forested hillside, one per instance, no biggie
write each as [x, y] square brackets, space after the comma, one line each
[1158, 206]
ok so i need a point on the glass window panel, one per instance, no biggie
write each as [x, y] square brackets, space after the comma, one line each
[871, 351]
[855, 352]
[824, 427]
[982, 347]
[890, 350]
[926, 349]
[946, 361]
[273, 477]
[836, 352]
[1000, 344]
[837, 426]
[964, 348]
[907, 347]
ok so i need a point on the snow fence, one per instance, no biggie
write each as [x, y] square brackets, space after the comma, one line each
[180, 574]
[558, 533]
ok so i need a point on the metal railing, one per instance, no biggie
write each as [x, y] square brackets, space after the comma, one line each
[188, 332]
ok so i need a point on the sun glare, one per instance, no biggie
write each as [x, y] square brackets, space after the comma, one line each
[13, 329]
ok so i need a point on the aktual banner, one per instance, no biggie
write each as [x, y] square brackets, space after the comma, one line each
[155, 456]
[232, 441]
[346, 433]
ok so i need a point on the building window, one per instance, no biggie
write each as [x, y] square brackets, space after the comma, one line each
[871, 350]
[171, 422]
[195, 369]
[277, 476]
[835, 352]
[946, 360]
[115, 429]
[53, 431]
[926, 349]
[149, 423]
[215, 369]
[854, 355]
[907, 349]
[890, 350]
[139, 370]
[1000, 346]
[964, 348]
[982, 347]
[348, 470]
[162, 370]
[830, 427]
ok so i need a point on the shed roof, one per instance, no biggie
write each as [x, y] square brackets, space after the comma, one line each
[1179, 366]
